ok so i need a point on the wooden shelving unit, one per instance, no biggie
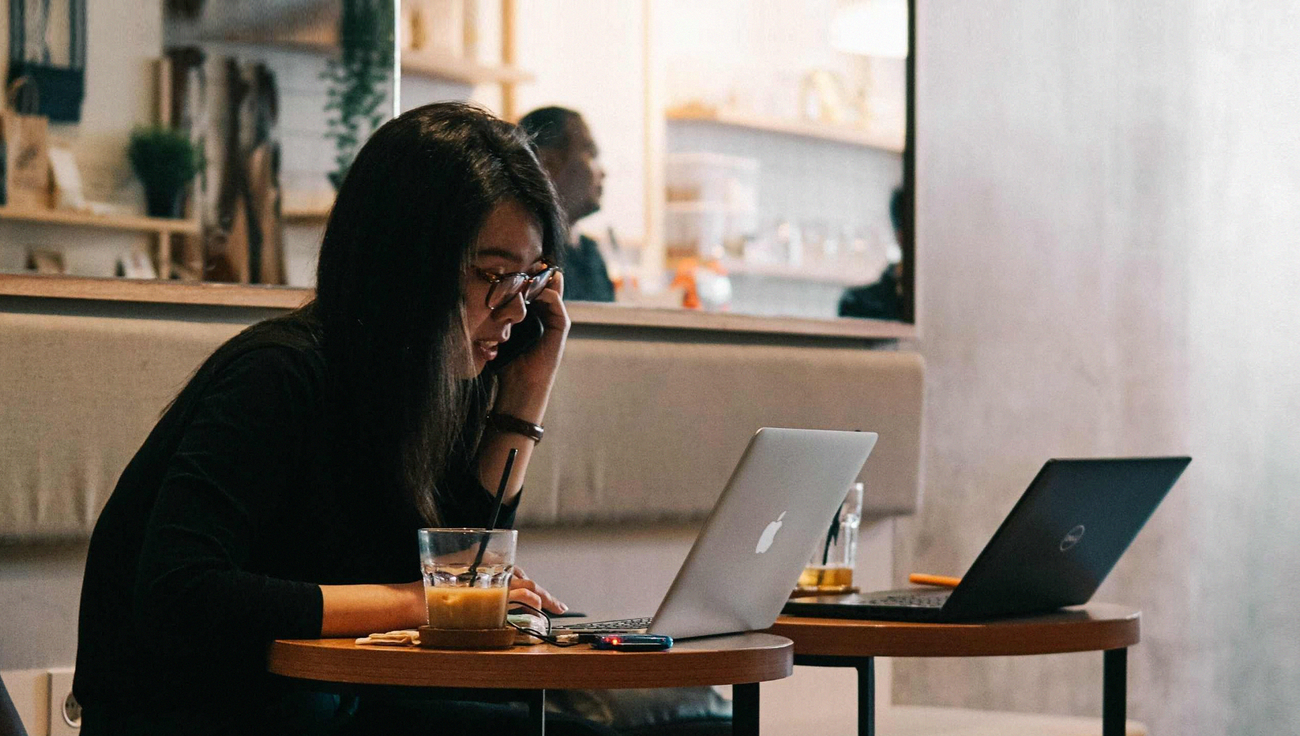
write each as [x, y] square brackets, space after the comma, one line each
[802, 129]
[317, 33]
[161, 226]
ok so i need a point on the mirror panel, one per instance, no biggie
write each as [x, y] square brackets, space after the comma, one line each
[751, 149]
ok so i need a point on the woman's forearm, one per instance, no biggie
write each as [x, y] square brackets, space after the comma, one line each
[528, 405]
[358, 610]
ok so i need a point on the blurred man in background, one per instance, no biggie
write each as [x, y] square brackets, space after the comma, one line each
[884, 298]
[569, 154]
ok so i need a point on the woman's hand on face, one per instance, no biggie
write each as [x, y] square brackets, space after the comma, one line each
[526, 381]
[524, 590]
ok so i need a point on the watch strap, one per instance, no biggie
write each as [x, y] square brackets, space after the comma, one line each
[515, 425]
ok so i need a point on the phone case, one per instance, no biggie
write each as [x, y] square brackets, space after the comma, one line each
[632, 642]
[523, 336]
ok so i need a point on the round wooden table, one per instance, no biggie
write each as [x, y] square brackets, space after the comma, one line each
[832, 642]
[526, 673]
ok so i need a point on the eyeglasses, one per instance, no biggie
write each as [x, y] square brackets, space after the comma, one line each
[506, 286]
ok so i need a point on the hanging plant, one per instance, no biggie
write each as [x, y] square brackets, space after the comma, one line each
[358, 79]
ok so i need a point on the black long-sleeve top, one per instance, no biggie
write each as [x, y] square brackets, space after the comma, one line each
[242, 501]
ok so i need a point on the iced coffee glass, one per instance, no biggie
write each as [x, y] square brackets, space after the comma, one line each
[467, 576]
[831, 568]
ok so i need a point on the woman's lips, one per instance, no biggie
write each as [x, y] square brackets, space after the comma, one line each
[486, 350]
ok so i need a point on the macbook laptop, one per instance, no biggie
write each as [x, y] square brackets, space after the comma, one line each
[1053, 550]
[755, 542]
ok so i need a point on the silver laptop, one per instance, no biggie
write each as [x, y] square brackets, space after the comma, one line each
[760, 534]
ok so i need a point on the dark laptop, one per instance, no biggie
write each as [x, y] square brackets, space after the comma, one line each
[1053, 550]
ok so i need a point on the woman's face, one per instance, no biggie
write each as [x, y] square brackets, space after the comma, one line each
[510, 242]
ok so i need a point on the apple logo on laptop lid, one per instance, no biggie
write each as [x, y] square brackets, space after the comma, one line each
[769, 534]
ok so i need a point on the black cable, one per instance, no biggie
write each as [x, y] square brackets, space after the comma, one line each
[545, 637]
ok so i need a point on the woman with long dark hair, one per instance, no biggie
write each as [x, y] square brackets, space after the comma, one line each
[279, 495]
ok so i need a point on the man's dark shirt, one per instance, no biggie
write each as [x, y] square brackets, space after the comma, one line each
[241, 502]
[877, 301]
[585, 276]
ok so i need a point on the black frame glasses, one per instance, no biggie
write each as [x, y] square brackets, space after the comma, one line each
[506, 286]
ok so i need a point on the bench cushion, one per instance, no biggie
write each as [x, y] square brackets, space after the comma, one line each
[638, 429]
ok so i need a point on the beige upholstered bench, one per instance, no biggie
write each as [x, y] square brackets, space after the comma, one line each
[644, 429]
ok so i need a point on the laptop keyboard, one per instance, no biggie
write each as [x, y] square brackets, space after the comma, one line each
[910, 600]
[626, 624]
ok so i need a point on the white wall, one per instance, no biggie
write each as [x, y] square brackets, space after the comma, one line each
[1108, 255]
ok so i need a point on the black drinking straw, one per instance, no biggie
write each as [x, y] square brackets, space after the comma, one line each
[496, 511]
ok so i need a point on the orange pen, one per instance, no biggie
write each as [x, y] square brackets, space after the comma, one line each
[942, 581]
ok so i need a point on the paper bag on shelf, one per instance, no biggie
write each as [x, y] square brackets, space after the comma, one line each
[26, 183]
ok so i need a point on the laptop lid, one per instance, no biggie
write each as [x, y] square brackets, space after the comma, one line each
[1063, 536]
[761, 532]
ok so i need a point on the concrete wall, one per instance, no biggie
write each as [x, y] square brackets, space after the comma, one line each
[1107, 243]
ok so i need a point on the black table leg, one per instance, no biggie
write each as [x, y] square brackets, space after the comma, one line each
[1114, 692]
[537, 713]
[744, 709]
[867, 696]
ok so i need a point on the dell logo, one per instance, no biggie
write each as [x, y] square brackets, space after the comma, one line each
[1072, 538]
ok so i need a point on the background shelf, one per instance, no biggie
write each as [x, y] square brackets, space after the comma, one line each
[131, 223]
[817, 131]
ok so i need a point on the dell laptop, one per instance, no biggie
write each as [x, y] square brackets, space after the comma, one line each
[1053, 550]
[755, 542]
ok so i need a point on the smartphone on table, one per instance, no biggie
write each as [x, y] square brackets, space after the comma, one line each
[632, 642]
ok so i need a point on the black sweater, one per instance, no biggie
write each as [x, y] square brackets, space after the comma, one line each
[241, 502]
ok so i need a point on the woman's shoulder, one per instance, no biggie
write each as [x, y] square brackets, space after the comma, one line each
[290, 340]
[282, 354]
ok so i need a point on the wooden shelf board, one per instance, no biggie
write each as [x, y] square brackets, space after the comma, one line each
[134, 223]
[445, 68]
[619, 315]
[821, 274]
[818, 131]
[156, 292]
[463, 70]
[305, 216]
[583, 313]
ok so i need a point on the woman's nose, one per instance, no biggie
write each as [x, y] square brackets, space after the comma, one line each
[512, 311]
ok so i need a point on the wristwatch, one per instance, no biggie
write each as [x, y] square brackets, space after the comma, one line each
[515, 425]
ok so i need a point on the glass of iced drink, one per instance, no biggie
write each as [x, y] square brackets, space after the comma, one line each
[467, 576]
[831, 568]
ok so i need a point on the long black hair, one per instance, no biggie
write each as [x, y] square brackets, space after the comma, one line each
[391, 280]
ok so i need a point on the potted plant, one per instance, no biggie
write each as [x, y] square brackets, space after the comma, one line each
[358, 78]
[165, 161]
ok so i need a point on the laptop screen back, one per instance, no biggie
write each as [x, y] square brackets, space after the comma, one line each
[1064, 535]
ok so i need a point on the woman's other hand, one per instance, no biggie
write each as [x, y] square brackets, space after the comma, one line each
[524, 590]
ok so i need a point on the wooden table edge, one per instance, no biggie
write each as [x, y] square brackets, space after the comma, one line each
[334, 661]
[826, 637]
